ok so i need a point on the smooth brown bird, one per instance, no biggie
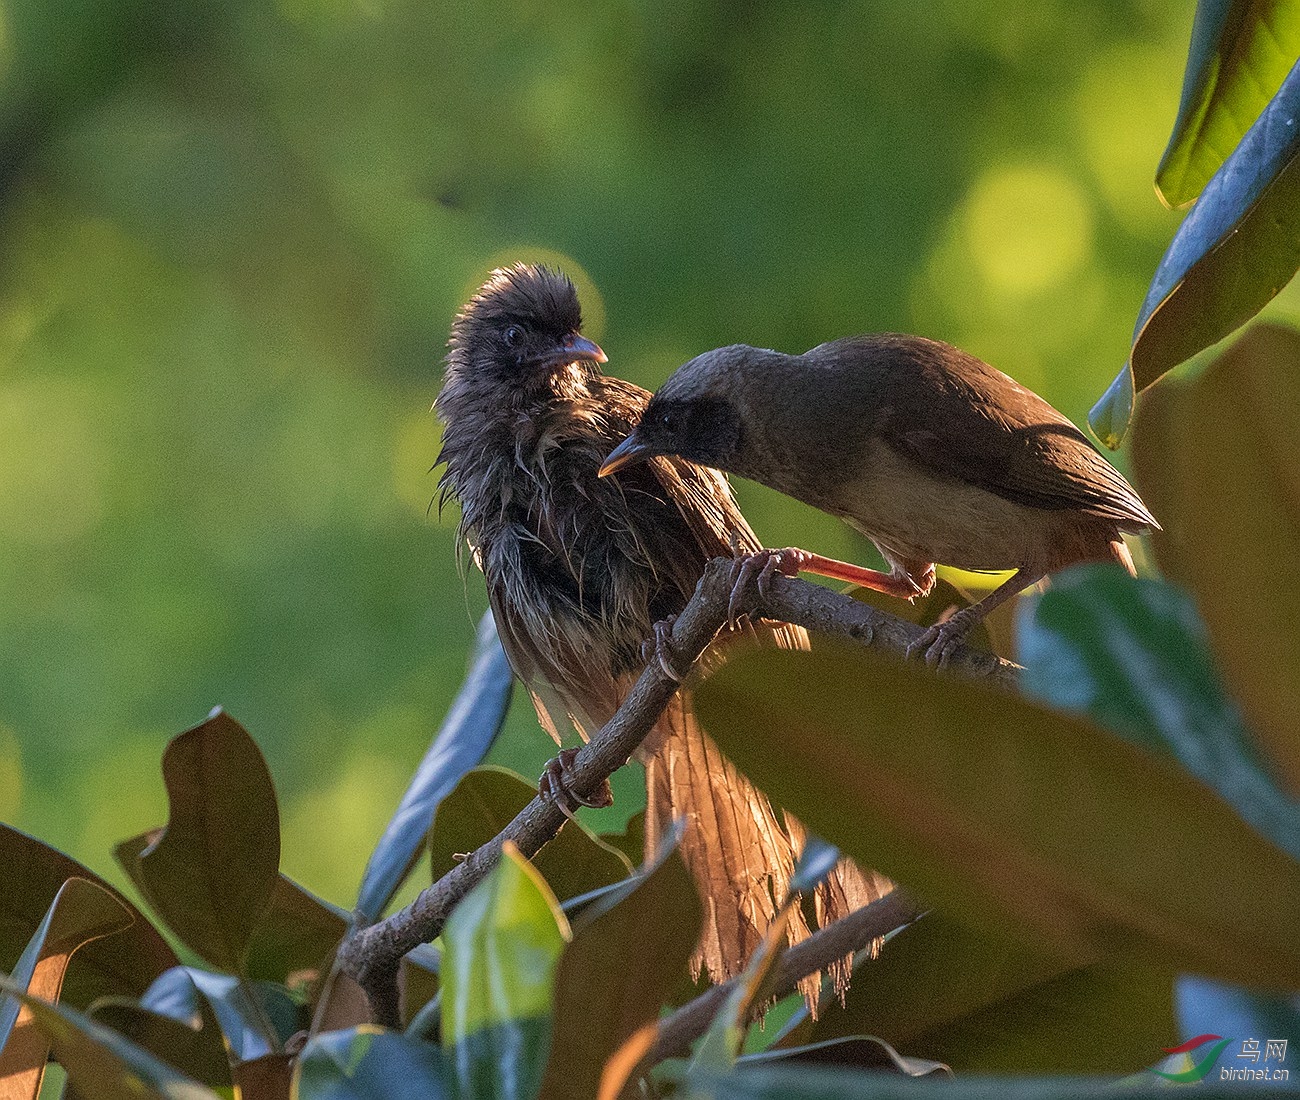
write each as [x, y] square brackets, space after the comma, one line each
[930, 452]
[579, 570]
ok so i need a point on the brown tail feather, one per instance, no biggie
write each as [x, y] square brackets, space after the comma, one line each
[1123, 556]
[739, 852]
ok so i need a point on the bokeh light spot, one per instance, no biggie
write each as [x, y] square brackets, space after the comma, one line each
[1027, 227]
[330, 831]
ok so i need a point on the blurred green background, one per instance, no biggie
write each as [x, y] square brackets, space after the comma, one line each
[233, 239]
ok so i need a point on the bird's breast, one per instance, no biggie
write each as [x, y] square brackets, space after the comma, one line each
[915, 515]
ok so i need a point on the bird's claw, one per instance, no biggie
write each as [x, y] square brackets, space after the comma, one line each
[556, 785]
[660, 648]
[942, 640]
[766, 564]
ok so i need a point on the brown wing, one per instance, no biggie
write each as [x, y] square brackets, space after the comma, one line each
[955, 415]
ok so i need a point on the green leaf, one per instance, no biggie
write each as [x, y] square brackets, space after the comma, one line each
[631, 842]
[1238, 247]
[1003, 814]
[1233, 522]
[486, 800]
[1133, 654]
[212, 872]
[82, 911]
[420, 978]
[195, 1050]
[778, 1082]
[720, 1045]
[863, 1051]
[297, 930]
[119, 965]
[1241, 52]
[1205, 1006]
[470, 728]
[949, 992]
[501, 945]
[369, 1063]
[102, 1065]
[245, 1022]
[648, 927]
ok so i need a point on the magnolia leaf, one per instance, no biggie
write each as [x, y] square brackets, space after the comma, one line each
[1007, 816]
[212, 872]
[1235, 250]
[471, 726]
[1241, 52]
[82, 911]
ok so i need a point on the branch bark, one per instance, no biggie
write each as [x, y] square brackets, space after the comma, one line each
[852, 933]
[371, 954]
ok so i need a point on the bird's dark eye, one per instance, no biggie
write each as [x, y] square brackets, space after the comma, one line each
[667, 421]
[512, 336]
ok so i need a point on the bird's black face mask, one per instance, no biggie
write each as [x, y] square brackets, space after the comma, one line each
[702, 429]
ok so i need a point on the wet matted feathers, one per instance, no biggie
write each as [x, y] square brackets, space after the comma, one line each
[579, 568]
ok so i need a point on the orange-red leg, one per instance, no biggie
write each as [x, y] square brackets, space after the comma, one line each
[791, 561]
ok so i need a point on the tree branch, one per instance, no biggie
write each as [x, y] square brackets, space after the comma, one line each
[371, 955]
[848, 934]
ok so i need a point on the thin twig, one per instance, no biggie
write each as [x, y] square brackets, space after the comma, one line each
[848, 934]
[370, 956]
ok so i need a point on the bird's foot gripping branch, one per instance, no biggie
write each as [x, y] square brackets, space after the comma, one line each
[370, 956]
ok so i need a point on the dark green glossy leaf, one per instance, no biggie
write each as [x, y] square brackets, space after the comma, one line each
[174, 995]
[649, 928]
[470, 728]
[486, 800]
[102, 1065]
[420, 980]
[1096, 1019]
[1133, 654]
[1238, 247]
[501, 945]
[369, 1063]
[631, 842]
[253, 1029]
[1205, 1006]
[1241, 52]
[777, 1082]
[298, 932]
[82, 911]
[120, 965]
[196, 1051]
[503, 1062]
[862, 1051]
[212, 872]
[952, 993]
[1233, 522]
[1008, 816]
[270, 1076]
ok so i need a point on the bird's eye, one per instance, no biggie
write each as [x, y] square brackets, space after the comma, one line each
[667, 421]
[513, 335]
